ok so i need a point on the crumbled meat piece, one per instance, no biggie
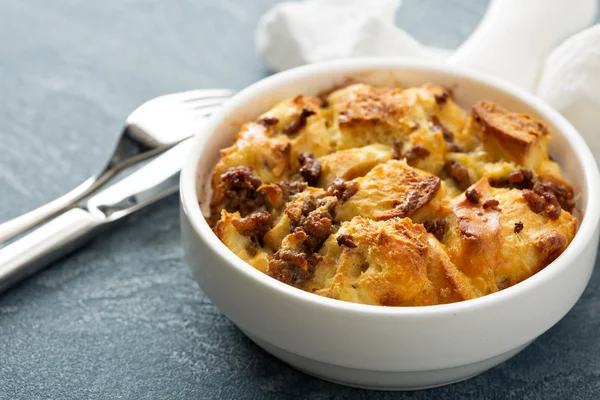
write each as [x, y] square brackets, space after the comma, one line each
[447, 133]
[525, 179]
[238, 190]
[454, 148]
[309, 204]
[441, 98]
[252, 248]
[314, 259]
[294, 127]
[240, 177]
[289, 189]
[254, 225]
[553, 209]
[346, 240]
[448, 136]
[472, 196]
[563, 195]
[311, 168]
[420, 151]
[520, 175]
[437, 228]
[541, 187]
[518, 226]
[516, 177]
[491, 204]
[397, 152]
[543, 198]
[351, 189]
[521, 179]
[410, 156]
[316, 220]
[268, 121]
[318, 225]
[289, 266]
[314, 224]
[277, 194]
[499, 183]
[459, 173]
[537, 204]
[341, 189]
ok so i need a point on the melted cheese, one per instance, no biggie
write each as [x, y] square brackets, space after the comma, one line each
[381, 157]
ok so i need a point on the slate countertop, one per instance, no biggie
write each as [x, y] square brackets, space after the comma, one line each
[123, 318]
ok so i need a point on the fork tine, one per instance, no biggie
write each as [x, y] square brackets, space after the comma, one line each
[194, 95]
[203, 112]
[201, 103]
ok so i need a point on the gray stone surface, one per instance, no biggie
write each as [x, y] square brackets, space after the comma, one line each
[123, 318]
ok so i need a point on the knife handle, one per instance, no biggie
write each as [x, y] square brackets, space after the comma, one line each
[23, 223]
[30, 253]
[65, 233]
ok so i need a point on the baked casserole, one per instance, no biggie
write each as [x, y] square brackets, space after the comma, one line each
[393, 197]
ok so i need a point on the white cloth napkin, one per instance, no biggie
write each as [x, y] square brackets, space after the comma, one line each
[515, 40]
[293, 34]
[570, 81]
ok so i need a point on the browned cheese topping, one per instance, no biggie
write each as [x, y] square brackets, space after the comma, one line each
[392, 196]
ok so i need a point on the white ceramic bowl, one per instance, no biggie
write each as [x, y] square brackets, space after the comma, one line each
[385, 347]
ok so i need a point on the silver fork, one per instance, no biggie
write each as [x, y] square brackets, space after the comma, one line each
[157, 124]
[150, 129]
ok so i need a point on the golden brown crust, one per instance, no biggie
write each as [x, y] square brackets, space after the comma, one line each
[352, 163]
[517, 137]
[363, 114]
[489, 248]
[393, 263]
[243, 246]
[392, 189]
[474, 235]
[392, 196]
[271, 146]
[550, 245]
[367, 105]
[421, 193]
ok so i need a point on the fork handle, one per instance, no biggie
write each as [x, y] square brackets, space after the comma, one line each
[23, 223]
[45, 244]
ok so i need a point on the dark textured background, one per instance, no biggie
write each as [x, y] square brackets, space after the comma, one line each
[123, 318]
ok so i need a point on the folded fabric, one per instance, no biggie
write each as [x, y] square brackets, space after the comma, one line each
[570, 81]
[293, 34]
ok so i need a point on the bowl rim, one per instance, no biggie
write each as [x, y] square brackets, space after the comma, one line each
[587, 227]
